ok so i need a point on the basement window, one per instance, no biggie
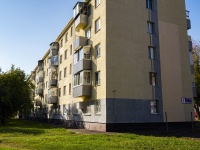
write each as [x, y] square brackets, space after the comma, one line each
[154, 106]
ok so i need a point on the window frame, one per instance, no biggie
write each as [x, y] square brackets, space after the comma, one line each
[66, 54]
[97, 78]
[97, 24]
[153, 78]
[97, 3]
[64, 90]
[154, 106]
[65, 72]
[150, 27]
[98, 50]
[152, 52]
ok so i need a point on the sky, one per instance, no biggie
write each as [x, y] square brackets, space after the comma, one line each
[27, 27]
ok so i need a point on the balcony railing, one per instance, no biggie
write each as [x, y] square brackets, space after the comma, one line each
[82, 91]
[84, 64]
[52, 95]
[80, 42]
[81, 21]
[38, 103]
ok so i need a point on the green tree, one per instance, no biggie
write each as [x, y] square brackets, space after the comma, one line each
[15, 93]
[196, 57]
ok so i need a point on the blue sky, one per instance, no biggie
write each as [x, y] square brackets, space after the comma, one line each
[27, 27]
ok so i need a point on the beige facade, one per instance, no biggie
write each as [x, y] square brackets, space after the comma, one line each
[119, 62]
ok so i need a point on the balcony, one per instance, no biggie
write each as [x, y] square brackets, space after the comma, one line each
[40, 79]
[80, 42]
[190, 45]
[188, 20]
[81, 21]
[53, 82]
[38, 103]
[40, 68]
[82, 91]
[53, 61]
[52, 99]
[54, 47]
[40, 91]
[52, 95]
[192, 69]
[84, 64]
[188, 24]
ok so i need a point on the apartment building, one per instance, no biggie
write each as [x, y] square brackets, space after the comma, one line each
[118, 62]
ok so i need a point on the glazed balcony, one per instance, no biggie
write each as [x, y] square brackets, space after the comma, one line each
[40, 79]
[53, 61]
[52, 99]
[40, 89]
[52, 95]
[53, 82]
[82, 91]
[54, 48]
[40, 68]
[190, 43]
[188, 20]
[38, 103]
[81, 21]
[80, 42]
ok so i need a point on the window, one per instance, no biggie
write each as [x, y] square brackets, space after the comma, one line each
[83, 77]
[97, 3]
[64, 109]
[64, 90]
[70, 69]
[71, 31]
[65, 54]
[43, 85]
[59, 92]
[150, 27]
[87, 107]
[70, 49]
[60, 59]
[47, 72]
[60, 75]
[44, 62]
[97, 25]
[46, 84]
[153, 78]
[61, 43]
[149, 4]
[154, 107]
[80, 55]
[70, 86]
[66, 37]
[44, 73]
[65, 72]
[88, 33]
[97, 78]
[98, 106]
[152, 52]
[98, 50]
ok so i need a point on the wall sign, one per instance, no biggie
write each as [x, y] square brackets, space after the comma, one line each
[185, 100]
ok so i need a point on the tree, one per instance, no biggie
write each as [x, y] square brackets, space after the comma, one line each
[196, 57]
[15, 93]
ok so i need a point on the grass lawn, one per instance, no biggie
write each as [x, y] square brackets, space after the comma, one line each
[22, 134]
